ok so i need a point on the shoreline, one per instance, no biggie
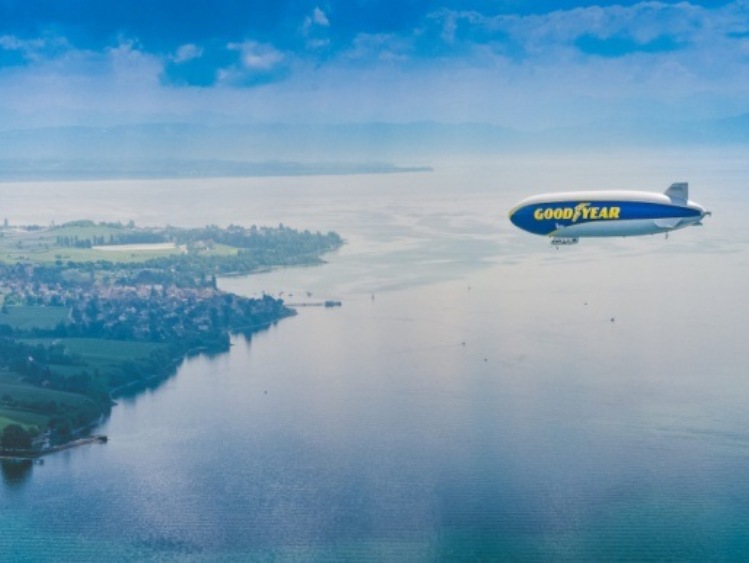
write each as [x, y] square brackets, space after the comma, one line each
[173, 301]
[169, 371]
[36, 454]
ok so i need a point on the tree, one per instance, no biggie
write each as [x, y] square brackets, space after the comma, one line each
[15, 437]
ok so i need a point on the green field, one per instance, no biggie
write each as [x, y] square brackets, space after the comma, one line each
[98, 351]
[40, 246]
[53, 254]
[8, 377]
[23, 317]
[29, 405]
[103, 359]
[27, 419]
[220, 250]
[31, 394]
[28, 393]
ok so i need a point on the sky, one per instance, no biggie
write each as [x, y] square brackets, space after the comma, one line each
[527, 65]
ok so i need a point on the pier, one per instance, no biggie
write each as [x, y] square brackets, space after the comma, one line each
[330, 303]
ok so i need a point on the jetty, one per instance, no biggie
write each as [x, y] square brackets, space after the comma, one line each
[330, 303]
[33, 454]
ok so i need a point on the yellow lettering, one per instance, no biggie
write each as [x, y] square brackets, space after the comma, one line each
[582, 211]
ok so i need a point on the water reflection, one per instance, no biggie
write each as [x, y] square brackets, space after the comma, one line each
[129, 393]
[16, 472]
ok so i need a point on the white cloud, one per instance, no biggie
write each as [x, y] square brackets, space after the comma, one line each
[319, 17]
[455, 66]
[81, 87]
[187, 52]
[10, 43]
[315, 30]
[257, 56]
[555, 31]
[379, 47]
[37, 49]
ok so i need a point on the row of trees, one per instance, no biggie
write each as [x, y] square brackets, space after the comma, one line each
[15, 438]
[282, 241]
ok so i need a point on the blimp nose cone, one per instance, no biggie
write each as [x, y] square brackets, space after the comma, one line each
[697, 207]
[522, 217]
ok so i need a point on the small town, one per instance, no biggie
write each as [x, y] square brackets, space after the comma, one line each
[142, 312]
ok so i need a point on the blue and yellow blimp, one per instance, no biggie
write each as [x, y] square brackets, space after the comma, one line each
[568, 216]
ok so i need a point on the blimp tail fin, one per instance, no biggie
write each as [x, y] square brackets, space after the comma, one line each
[678, 191]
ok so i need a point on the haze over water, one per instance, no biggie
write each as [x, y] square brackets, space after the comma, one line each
[479, 394]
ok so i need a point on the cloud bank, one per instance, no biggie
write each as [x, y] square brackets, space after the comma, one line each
[502, 62]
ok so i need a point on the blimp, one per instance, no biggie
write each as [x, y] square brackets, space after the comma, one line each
[568, 216]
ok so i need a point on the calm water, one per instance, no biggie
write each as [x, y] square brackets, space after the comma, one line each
[471, 399]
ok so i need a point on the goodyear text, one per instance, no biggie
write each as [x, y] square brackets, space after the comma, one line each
[583, 211]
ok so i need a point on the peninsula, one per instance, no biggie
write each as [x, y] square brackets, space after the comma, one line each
[91, 309]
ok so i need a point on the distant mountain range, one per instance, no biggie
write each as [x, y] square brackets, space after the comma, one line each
[189, 150]
[123, 168]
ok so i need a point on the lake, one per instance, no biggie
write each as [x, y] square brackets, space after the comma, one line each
[479, 394]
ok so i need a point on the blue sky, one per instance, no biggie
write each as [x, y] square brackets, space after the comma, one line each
[523, 64]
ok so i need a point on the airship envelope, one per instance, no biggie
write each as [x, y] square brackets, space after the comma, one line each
[568, 216]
